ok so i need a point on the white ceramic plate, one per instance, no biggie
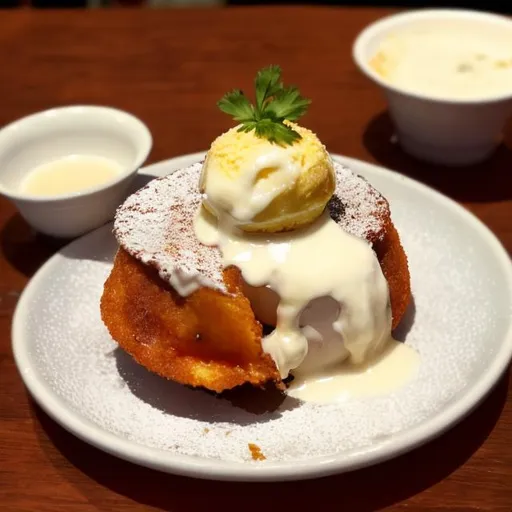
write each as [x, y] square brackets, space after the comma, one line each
[460, 324]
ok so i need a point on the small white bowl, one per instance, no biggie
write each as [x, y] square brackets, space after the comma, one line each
[60, 132]
[440, 130]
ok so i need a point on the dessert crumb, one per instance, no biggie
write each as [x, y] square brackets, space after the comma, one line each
[206, 430]
[256, 453]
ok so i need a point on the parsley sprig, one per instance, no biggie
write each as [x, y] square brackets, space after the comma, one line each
[275, 104]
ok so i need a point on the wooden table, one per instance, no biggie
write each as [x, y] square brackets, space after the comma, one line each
[169, 68]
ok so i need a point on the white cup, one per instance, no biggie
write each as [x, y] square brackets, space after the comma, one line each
[442, 130]
[60, 132]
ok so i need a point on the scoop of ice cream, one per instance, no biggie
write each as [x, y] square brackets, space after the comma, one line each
[265, 187]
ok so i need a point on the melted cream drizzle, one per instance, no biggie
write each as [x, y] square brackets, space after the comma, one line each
[385, 373]
[321, 260]
[225, 194]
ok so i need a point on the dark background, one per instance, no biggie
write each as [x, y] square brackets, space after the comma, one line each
[502, 6]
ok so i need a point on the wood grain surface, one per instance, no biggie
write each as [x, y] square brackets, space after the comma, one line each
[169, 67]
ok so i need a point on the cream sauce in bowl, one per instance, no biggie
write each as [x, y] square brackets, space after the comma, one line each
[70, 174]
[449, 60]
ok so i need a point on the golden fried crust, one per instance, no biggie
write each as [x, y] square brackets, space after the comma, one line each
[393, 262]
[206, 339]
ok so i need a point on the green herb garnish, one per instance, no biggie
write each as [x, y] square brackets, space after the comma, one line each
[275, 103]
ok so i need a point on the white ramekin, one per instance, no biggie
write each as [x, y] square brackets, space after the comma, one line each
[440, 130]
[59, 132]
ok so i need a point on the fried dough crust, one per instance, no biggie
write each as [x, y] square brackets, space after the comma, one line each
[393, 262]
[207, 339]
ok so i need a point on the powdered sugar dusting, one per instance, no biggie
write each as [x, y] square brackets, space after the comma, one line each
[362, 206]
[462, 312]
[155, 225]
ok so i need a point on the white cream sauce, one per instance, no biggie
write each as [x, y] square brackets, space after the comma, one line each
[385, 373]
[267, 176]
[69, 174]
[451, 60]
[319, 261]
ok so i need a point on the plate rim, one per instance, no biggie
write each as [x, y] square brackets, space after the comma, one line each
[218, 469]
